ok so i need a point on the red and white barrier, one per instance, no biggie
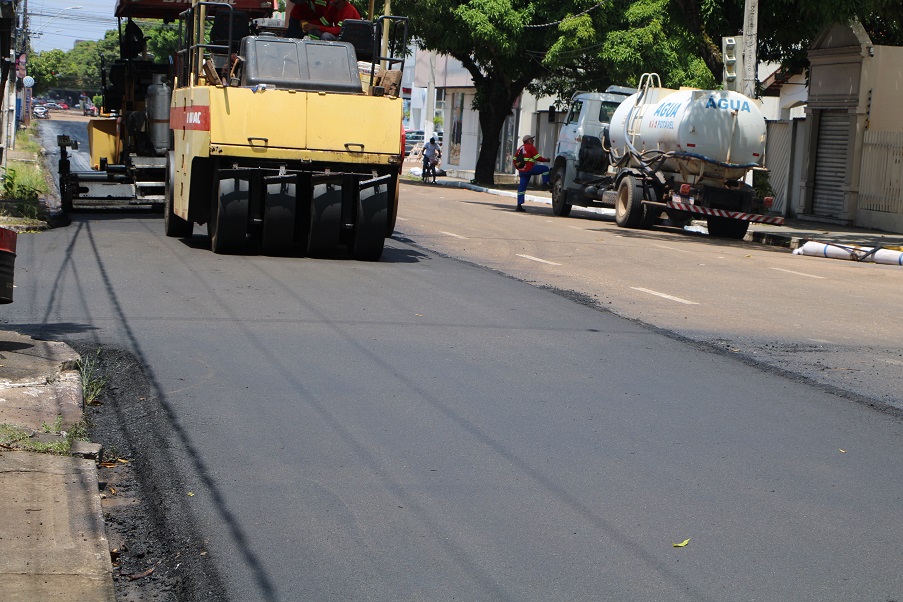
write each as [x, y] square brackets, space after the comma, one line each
[748, 217]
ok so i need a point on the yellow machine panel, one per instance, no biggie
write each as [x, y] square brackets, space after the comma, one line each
[103, 139]
[288, 119]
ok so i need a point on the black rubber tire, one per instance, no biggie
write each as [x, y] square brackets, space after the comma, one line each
[278, 234]
[651, 216]
[679, 219]
[560, 206]
[173, 225]
[629, 212]
[722, 227]
[325, 221]
[228, 225]
[370, 228]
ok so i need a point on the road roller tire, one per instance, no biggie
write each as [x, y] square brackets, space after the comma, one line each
[325, 220]
[278, 233]
[370, 229]
[228, 225]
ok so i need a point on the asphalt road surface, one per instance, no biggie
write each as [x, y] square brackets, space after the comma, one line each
[833, 322]
[424, 428]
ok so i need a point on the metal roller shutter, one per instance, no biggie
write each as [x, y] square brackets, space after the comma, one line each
[778, 146]
[831, 162]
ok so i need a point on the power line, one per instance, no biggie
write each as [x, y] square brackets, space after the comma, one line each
[566, 53]
[552, 24]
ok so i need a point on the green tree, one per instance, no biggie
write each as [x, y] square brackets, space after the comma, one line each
[162, 40]
[501, 43]
[787, 40]
[43, 67]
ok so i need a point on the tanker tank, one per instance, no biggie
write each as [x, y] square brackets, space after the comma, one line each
[705, 134]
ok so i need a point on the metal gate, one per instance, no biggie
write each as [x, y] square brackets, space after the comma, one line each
[778, 153]
[831, 163]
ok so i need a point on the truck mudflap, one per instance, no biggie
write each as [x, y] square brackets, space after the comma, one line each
[738, 215]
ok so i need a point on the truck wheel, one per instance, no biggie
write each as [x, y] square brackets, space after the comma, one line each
[629, 211]
[277, 236]
[679, 219]
[723, 227]
[560, 206]
[173, 225]
[370, 229]
[325, 220]
[228, 225]
[650, 216]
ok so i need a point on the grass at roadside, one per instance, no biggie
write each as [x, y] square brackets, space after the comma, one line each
[23, 183]
[92, 381]
[56, 438]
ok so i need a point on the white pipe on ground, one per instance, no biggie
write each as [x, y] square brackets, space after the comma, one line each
[851, 252]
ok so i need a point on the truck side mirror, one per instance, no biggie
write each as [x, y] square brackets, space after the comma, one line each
[552, 114]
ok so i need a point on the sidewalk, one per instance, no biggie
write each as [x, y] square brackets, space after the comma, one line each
[793, 234]
[53, 543]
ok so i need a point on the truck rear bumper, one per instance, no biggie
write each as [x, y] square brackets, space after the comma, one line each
[738, 215]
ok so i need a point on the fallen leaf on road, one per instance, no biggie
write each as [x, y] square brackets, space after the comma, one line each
[843, 451]
[123, 460]
[142, 574]
[190, 494]
[681, 544]
[112, 489]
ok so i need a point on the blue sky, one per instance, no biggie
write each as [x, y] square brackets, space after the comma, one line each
[53, 24]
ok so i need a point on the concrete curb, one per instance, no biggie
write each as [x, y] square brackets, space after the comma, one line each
[53, 542]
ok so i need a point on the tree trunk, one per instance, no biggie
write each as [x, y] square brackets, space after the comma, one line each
[496, 94]
[491, 122]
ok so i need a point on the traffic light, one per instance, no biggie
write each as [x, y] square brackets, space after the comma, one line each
[732, 53]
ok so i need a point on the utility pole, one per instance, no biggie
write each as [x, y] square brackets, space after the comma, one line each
[750, 41]
[430, 111]
[384, 46]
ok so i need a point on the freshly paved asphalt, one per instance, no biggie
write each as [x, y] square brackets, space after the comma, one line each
[424, 429]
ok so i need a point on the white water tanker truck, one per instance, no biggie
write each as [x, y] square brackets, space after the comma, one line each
[683, 153]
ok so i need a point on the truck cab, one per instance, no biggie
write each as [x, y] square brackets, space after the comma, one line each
[581, 160]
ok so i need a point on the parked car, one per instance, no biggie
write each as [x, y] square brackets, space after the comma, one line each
[40, 112]
[53, 105]
[413, 137]
[64, 106]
